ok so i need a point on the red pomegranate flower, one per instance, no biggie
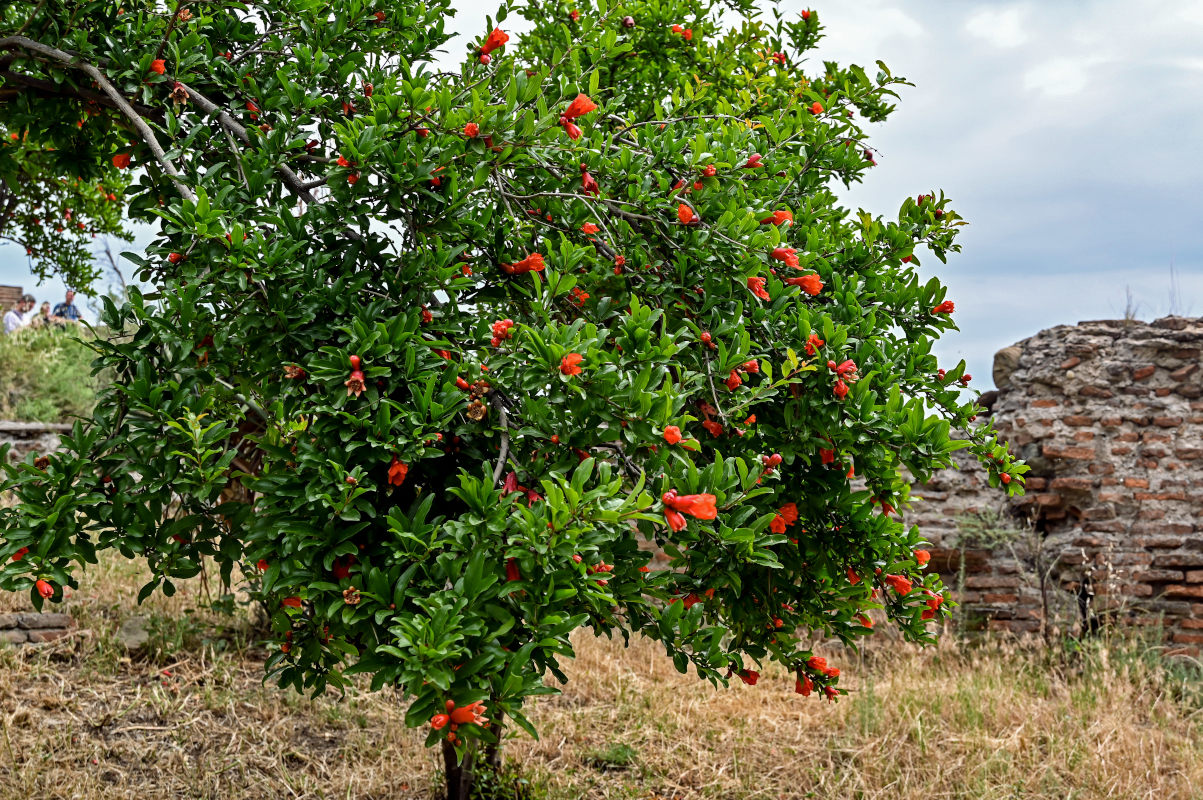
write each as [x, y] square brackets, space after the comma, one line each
[804, 685]
[512, 572]
[472, 714]
[20, 554]
[786, 255]
[685, 214]
[947, 307]
[779, 218]
[899, 584]
[291, 602]
[571, 364]
[699, 506]
[589, 183]
[672, 434]
[532, 263]
[922, 557]
[756, 284]
[496, 39]
[816, 108]
[121, 161]
[589, 227]
[354, 383]
[580, 106]
[734, 381]
[572, 129]
[439, 721]
[397, 471]
[811, 284]
[471, 130]
[45, 589]
[840, 390]
[813, 343]
[158, 66]
[749, 676]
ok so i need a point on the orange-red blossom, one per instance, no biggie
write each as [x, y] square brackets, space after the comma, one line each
[532, 263]
[496, 39]
[699, 506]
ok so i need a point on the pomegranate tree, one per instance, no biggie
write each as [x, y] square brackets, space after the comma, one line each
[446, 365]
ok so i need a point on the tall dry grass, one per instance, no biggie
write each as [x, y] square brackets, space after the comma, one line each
[80, 719]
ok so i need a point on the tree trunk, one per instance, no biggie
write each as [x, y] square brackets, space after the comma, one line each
[461, 776]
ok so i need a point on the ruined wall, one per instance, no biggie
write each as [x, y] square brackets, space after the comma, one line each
[36, 437]
[1109, 416]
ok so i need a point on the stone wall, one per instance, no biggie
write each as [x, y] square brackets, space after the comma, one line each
[34, 628]
[25, 437]
[1109, 416]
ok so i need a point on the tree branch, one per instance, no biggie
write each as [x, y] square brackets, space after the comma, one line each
[496, 402]
[93, 72]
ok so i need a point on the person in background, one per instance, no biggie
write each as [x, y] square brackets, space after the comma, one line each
[42, 318]
[66, 310]
[19, 315]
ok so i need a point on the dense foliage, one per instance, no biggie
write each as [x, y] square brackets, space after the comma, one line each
[437, 359]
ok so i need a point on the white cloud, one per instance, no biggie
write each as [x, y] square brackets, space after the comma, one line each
[1001, 27]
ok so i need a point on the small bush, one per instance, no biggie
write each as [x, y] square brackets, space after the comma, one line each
[46, 375]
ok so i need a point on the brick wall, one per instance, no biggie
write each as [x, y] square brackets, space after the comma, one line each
[1109, 416]
[9, 295]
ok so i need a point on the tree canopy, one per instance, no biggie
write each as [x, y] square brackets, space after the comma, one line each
[436, 361]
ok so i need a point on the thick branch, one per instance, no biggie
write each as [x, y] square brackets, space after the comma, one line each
[122, 105]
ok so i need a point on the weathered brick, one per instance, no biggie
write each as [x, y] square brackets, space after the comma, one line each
[1130, 436]
[1121, 451]
[1015, 625]
[1000, 599]
[1078, 420]
[1178, 560]
[1045, 402]
[1182, 637]
[991, 582]
[1036, 484]
[8, 621]
[1194, 576]
[1106, 526]
[1159, 496]
[1074, 453]
[1101, 392]
[1188, 390]
[1157, 575]
[1167, 422]
[1143, 373]
[1070, 362]
[13, 636]
[1183, 373]
[1193, 624]
[1136, 483]
[1111, 422]
[1188, 453]
[1077, 484]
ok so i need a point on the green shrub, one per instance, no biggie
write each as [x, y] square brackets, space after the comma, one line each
[46, 375]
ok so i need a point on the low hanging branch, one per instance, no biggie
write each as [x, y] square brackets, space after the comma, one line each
[135, 119]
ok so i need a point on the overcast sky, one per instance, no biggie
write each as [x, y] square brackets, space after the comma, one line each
[1064, 132]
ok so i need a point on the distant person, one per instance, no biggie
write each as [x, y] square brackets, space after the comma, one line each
[42, 319]
[66, 310]
[19, 315]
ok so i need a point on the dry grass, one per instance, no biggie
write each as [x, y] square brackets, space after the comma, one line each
[81, 720]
